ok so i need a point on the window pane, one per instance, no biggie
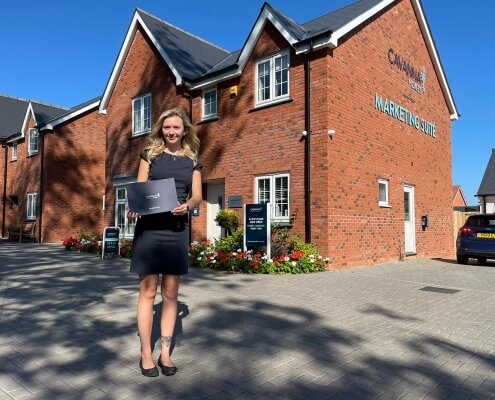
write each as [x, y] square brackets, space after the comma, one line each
[382, 192]
[137, 116]
[210, 103]
[264, 81]
[407, 212]
[281, 76]
[121, 216]
[281, 196]
[263, 191]
[147, 113]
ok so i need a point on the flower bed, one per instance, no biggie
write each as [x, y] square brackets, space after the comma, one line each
[298, 257]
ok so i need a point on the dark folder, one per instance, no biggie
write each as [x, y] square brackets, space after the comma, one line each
[152, 197]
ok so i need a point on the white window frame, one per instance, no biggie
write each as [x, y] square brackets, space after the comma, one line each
[14, 151]
[33, 141]
[139, 104]
[383, 203]
[205, 105]
[272, 197]
[272, 61]
[128, 226]
[31, 205]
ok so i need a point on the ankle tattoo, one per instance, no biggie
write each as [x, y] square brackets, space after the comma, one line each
[166, 340]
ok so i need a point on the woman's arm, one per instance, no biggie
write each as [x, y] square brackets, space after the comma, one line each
[143, 175]
[143, 172]
[196, 189]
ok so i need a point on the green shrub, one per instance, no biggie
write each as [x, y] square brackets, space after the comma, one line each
[227, 219]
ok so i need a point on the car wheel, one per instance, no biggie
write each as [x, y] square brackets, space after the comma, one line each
[462, 259]
[482, 260]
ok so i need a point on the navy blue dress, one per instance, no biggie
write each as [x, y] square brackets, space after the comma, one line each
[161, 241]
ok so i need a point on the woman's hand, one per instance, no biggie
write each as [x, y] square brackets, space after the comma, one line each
[133, 215]
[181, 209]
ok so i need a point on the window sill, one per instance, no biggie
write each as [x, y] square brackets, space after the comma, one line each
[33, 154]
[272, 103]
[385, 205]
[208, 119]
[136, 135]
[282, 224]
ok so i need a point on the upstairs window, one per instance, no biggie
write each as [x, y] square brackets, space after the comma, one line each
[272, 78]
[33, 141]
[14, 151]
[31, 206]
[209, 103]
[141, 114]
[274, 189]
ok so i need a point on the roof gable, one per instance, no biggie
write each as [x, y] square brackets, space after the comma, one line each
[185, 54]
[203, 64]
[458, 194]
[487, 186]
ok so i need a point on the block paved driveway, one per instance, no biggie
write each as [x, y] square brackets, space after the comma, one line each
[67, 331]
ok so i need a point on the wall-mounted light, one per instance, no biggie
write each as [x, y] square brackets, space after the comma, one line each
[331, 132]
[304, 133]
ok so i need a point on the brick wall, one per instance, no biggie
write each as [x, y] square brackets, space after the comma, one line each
[142, 72]
[23, 177]
[74, 178]
[369, 145]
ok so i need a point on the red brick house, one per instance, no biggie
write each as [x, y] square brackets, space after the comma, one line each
[46, 151]
[343, 122]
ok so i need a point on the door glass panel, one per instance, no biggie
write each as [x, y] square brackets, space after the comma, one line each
[407, 211]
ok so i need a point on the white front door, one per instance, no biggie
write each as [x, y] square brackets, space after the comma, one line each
[215, 199]
[409, 225]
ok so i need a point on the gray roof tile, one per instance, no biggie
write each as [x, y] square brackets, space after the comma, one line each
[12, 114]
[487, 186]
[190, 55]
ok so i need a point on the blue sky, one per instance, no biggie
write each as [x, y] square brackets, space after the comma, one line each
[62, 52]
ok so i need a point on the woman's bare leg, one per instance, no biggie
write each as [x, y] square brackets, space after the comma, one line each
[170, 290]
[147, 293]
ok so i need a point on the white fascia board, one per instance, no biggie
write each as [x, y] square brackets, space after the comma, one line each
[163, 53]
[315, 45]
[256, 32]
[437, 65]
[124, 50]
[29, 111]
[67, 117]
[336, 35]
[15, 139]
[214, 80]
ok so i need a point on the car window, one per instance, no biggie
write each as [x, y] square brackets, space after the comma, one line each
[481, 221]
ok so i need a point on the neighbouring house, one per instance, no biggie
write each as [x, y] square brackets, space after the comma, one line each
[342, 124]
[486, 191]
[53, 167]
[458, 199]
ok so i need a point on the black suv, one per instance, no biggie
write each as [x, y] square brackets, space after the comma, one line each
[476, 239]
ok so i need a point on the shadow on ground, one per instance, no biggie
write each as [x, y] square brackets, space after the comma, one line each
[68, 329]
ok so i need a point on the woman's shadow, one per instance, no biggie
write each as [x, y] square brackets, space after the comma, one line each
[182, 312]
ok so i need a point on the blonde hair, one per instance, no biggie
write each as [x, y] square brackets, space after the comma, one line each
[190, 141]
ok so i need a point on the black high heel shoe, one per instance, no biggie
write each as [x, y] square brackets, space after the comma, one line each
[166, 370]
[149, 372]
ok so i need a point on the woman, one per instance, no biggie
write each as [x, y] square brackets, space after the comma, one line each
[161, 241]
